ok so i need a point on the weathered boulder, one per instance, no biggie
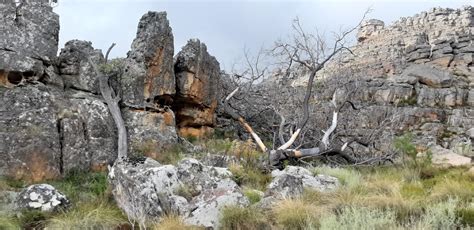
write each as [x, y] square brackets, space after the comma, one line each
[149, 75]
[74, 66]
[197, 80]
[29, 40]
[292, 181]
[447, 158]
[42, 197]
[147, 190]
[430, 76]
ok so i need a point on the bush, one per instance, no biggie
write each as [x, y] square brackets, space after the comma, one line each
[253, 195]
[405, 145]
[241, 218]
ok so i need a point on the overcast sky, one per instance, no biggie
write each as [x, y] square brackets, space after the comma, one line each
[225, 26]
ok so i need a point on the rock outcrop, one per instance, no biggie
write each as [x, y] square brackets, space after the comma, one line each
[52, 116]
[415, 76]
[148, 86]
[29, 41]
[149, 75]
[197, 82]
[147, 190]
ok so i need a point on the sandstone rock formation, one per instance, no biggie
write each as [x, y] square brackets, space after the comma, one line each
[149, 75]
[413, 76]
[148, 86]
[147, 190]
[52, 119]
[197, 82]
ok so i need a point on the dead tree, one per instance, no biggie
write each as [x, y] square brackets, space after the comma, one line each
[112, 100]
[313, 53]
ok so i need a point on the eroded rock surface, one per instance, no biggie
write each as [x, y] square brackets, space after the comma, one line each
[197, 82]
[29, 40]
[149, 75]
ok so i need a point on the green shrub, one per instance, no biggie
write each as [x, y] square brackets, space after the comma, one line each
[241, 218]
[466, 215]
[405, 145]
[253, 195]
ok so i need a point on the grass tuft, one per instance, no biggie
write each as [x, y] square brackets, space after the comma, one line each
[242, 218]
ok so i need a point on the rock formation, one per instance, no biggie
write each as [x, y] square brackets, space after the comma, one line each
[52, 116]
[413, 76]
[197, 80]
[149, 76]
[147, 190]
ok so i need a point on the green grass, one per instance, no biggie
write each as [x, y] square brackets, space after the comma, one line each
[253, 195]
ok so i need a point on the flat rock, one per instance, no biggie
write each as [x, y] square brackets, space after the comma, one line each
[447, 158]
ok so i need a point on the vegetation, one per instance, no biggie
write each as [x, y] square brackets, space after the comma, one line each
[406, 196]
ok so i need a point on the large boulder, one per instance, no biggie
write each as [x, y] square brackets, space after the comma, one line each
[147, 190]
[197, 81]
[292, 181]
[75, 68]
[43, 197]
[29, 40]
[149, 75]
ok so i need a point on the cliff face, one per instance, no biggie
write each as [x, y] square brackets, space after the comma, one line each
[416, 75]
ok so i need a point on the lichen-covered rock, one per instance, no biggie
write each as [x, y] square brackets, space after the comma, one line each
[291, 182]
[42, 197]
[147, 190]
[29, 39]
[197, 81]
[207, 207]
[149, 75]
[150, 132]
[47, 131]
[74, 66]
[30, 148]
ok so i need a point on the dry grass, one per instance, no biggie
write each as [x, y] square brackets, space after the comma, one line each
[173, 222]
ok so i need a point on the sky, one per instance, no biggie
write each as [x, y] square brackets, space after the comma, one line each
[227, 27]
